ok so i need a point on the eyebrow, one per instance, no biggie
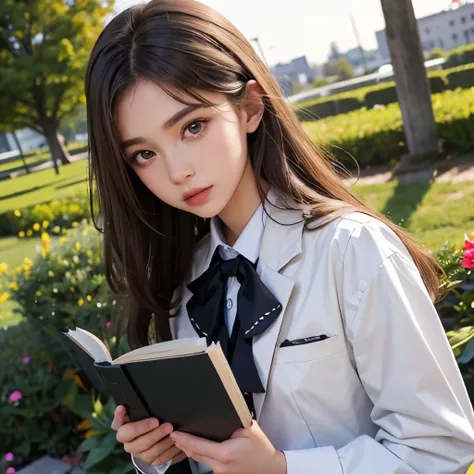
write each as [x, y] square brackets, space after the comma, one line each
[167, 125]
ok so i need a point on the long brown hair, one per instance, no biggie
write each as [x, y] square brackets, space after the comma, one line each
[183, 45]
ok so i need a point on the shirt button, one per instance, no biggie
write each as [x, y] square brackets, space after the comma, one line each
[229, 303]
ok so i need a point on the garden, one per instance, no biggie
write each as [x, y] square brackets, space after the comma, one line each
[52, 271]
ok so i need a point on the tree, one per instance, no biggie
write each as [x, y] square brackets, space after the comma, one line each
[44, 48]
[334, 52]
[412, 85]
[343, 69]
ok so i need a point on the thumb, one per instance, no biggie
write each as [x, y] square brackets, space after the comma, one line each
[120, 417]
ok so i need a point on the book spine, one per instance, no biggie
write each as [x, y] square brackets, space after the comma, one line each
[122, 391]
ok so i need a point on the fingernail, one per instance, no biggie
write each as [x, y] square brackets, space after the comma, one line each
[154, 423]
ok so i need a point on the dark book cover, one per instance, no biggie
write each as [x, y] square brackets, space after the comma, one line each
[184, 391]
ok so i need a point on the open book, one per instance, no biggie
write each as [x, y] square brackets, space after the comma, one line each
[184, 382]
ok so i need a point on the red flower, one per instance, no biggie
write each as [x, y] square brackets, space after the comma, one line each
[468, 254]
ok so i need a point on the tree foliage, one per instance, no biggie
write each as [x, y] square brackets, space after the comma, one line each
[44, 48]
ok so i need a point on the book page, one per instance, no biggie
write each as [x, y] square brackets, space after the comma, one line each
[160, 350]
[90, 343]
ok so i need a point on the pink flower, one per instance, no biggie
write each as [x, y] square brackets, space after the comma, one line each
[26, 360]
[9, 457]
[468, 254]
[108, 324]
[15, 396]
[10, 470]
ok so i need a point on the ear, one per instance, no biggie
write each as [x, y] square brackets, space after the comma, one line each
[252, 106]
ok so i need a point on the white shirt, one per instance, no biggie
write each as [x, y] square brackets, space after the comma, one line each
[247, 245]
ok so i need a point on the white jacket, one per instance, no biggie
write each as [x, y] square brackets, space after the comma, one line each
[383, 394]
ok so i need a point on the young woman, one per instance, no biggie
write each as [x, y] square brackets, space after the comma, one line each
[221, 219]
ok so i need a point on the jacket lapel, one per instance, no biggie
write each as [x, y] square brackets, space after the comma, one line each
[280, 244]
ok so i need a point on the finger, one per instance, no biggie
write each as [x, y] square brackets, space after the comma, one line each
[195, 445]
[166, 456]
[119, 417]
[144, 443]
[179, 457]
[129, 431]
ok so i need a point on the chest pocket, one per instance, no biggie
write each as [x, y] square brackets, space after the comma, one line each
[311, 351]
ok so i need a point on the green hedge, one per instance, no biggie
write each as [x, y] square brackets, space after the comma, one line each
[459, 56]
[54, 215]
[327, 108]
[381, 94]
[463, 79]
[377, 136]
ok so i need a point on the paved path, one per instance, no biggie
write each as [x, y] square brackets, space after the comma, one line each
[20, 171]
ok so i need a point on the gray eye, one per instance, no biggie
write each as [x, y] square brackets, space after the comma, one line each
[195, 127]
[147, 154]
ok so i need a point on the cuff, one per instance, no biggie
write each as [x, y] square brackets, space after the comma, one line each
[144, 468]
[308, 461]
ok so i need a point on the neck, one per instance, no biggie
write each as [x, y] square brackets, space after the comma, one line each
[241, 206]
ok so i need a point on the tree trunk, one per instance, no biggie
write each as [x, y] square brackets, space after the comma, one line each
[18, 145]
[57, 148]
[412, 84]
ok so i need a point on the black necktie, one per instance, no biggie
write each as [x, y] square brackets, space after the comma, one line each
[257, 309]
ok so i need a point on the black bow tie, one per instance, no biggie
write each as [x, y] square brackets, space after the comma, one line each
[257, 309]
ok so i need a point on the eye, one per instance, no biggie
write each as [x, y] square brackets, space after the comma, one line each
[145, 155]
[195, 128]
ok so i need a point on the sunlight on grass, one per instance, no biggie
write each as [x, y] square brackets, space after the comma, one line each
[43, 186]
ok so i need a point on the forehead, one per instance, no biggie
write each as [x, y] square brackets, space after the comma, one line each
[146, 104]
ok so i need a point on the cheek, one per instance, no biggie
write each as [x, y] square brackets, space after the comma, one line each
[154, 178]
[227, 147]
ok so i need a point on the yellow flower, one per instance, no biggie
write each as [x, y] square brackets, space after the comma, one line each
[3, 268]
[62, 240]
[21, 234]
[17, 213]
[78, 246]
[38, 293]
[84, 425]
[4, 297]
[45, 224]
[13, 286]
[50, 273]
[84, 233]
[27, 262]
[45, 243]
[36, 227]
[75, 224]
[29, 232]
[89, 298]
[72, 289]
[80, 302]
[57, 229]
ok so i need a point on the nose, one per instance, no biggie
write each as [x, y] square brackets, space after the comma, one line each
[180, 169]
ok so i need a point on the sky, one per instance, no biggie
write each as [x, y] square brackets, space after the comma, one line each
[288, 29]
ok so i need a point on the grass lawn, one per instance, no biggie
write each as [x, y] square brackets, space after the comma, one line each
[433, 213]
[30, 161]
[43, 186]
[13, 251]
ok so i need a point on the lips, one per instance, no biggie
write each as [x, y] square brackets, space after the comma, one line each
[189, 194]
[197, 196]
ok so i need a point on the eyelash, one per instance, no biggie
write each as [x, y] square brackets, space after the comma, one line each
[133, 159]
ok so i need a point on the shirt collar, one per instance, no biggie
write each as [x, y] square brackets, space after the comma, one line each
[249, 241]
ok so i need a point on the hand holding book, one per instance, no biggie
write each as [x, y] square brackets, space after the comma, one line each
[147, 439]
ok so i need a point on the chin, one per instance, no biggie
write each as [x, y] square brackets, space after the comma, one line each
[208, 210]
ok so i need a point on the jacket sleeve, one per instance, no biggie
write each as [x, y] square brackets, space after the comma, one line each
[420, 404]
[142, 468]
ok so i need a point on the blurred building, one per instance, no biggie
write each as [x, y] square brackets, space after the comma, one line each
[298, 71]
[446, 30]
[29, 139]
